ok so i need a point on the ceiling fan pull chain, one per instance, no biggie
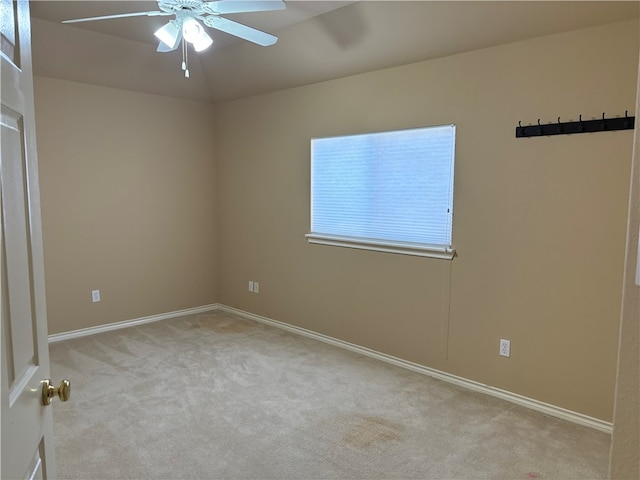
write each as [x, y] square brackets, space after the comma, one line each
[184, 63]
[185, 59]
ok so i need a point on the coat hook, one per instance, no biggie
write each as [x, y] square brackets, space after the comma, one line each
[592, 124]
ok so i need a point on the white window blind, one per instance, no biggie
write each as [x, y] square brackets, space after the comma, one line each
[391, 189]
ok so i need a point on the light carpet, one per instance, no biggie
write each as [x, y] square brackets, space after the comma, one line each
[216, 396]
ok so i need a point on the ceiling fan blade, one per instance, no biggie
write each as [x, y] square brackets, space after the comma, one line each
[241, 6]
[239, 30]
[118, 15]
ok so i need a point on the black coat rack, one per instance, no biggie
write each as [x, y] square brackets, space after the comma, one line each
[581, 126]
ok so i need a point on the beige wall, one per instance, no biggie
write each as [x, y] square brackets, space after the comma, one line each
[128, 203]
[539, 223]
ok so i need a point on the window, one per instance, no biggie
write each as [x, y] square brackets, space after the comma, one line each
[389, 191]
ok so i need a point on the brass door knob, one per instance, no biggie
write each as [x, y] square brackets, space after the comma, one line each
[63, 391]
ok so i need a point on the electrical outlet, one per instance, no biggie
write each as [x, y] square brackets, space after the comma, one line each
[251, 286]
[505, 347]
[95, 296]
[256, 287]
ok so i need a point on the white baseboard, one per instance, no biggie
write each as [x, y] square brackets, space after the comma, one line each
[83, 332]
[530, 403]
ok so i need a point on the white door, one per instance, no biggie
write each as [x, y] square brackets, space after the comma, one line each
[27, 428]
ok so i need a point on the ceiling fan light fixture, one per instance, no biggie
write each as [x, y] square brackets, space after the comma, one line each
[202, 43]
[191, 29]
[169, 34]
[194, 33]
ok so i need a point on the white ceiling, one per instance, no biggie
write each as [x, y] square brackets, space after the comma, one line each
[318, 40]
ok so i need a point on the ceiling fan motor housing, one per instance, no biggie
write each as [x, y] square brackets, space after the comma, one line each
[195, 6]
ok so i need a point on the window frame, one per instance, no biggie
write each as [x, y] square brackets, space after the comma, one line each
[440, 251]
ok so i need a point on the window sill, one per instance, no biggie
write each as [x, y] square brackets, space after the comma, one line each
[420, 250]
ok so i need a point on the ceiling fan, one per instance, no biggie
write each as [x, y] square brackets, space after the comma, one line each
[185, 27]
